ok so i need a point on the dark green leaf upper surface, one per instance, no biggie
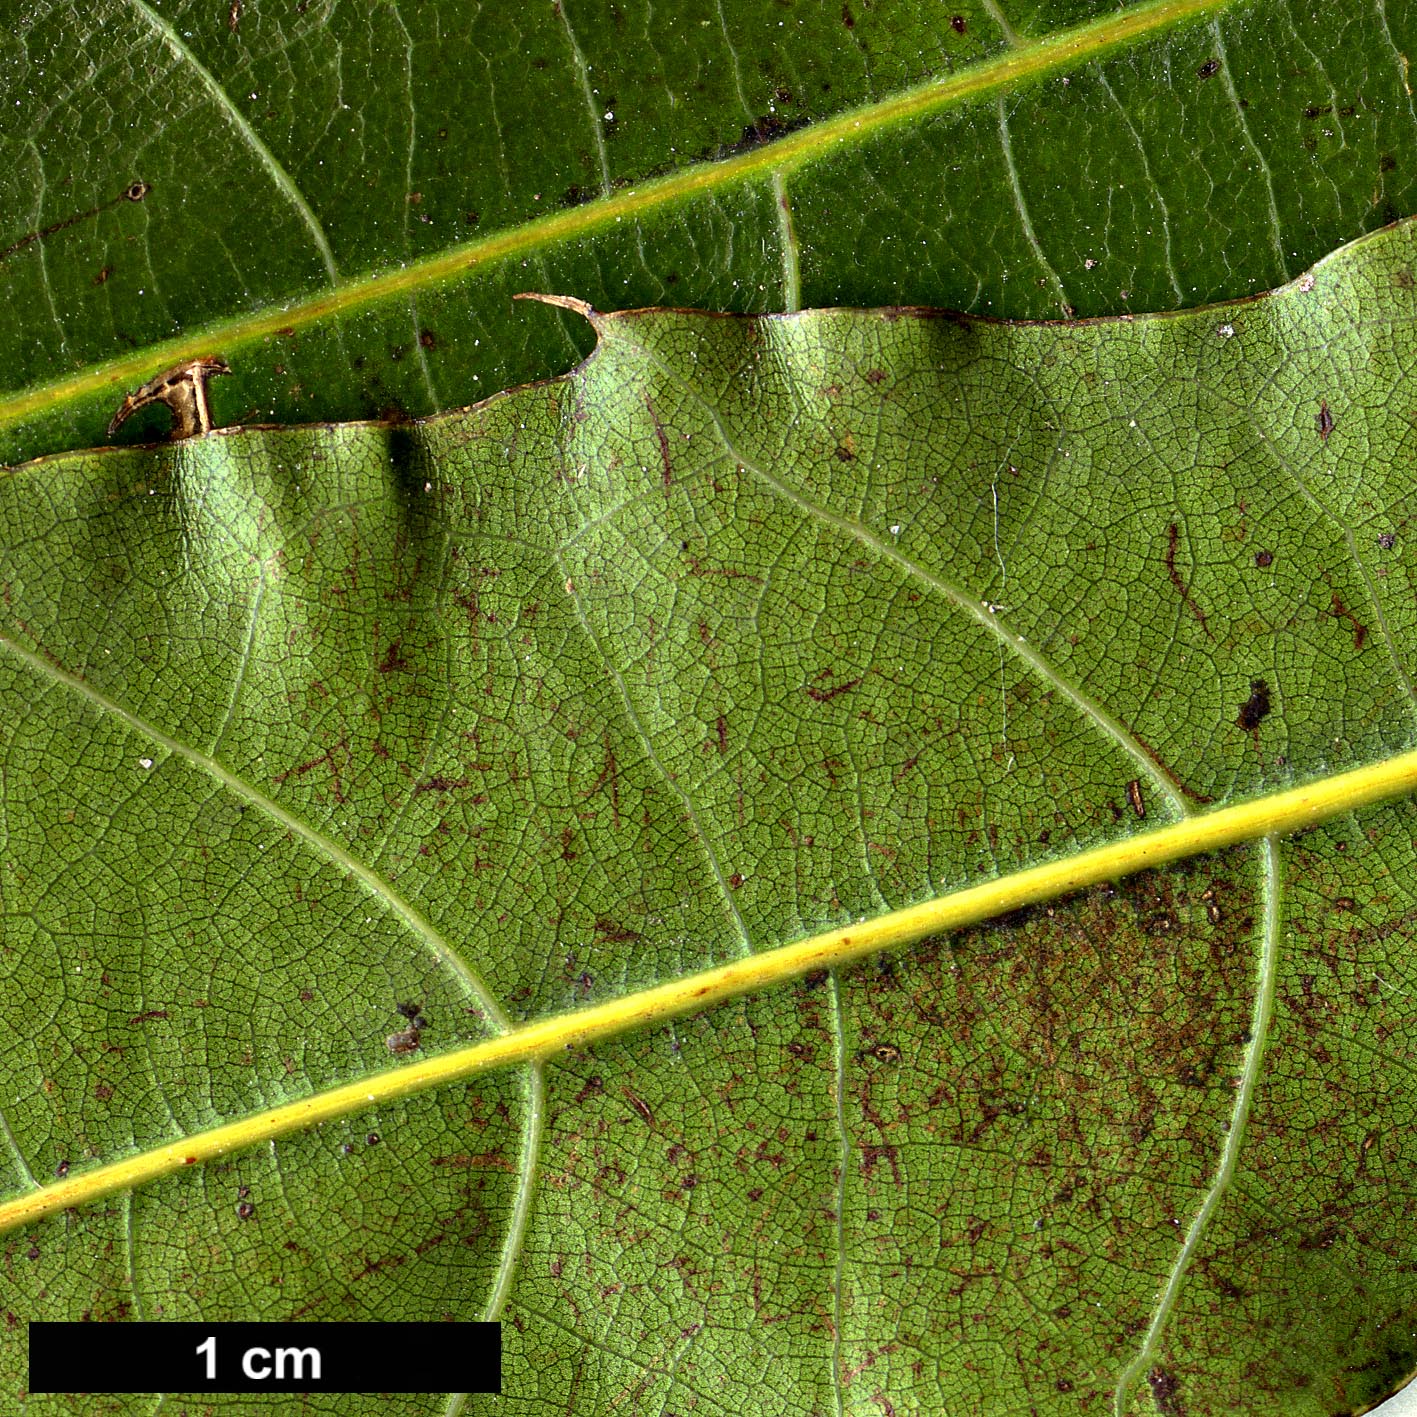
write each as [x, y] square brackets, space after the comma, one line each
[746, 628]
[196, 170]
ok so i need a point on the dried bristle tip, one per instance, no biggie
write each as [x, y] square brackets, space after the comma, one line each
[566, 302]
[183, 388]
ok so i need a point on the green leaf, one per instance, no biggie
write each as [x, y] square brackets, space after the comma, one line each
[179, 184]
[342, 198]
[745, 630]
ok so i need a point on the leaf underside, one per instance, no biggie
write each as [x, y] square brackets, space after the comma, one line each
[746, 628]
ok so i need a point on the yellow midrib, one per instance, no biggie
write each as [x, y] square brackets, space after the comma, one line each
[1031, 60]
[1273, 815]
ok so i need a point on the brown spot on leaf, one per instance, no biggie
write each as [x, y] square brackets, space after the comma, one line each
[1323, 420]
[1263, 559]
[394, 660]
[1209, 69]
[1165, 1390]
[474, 1161]
[823, 696]
[1340, 611]
[336, 759]
[666, 474]
[958, 24]
[1255, 708]
[616, 934]
[442, 784]
[1135, 798]
[1173, 537]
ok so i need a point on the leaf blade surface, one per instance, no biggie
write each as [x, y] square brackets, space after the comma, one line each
[745, 629]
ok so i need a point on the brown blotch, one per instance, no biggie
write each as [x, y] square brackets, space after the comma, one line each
[607, 929]
[1255, 707]
[427, 339]
[394, 660]
[473, 1161]
[823, 696]
[1173, 537]
[1263, 559]
[1340, 611]
[1165, 1392]
[442, 784]
[666, 473]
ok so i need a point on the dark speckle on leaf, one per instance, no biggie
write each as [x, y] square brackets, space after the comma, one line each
[1387, 540]
[1209, 69]
[1165, 1392]
[1264, 558]
[1255, 707]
